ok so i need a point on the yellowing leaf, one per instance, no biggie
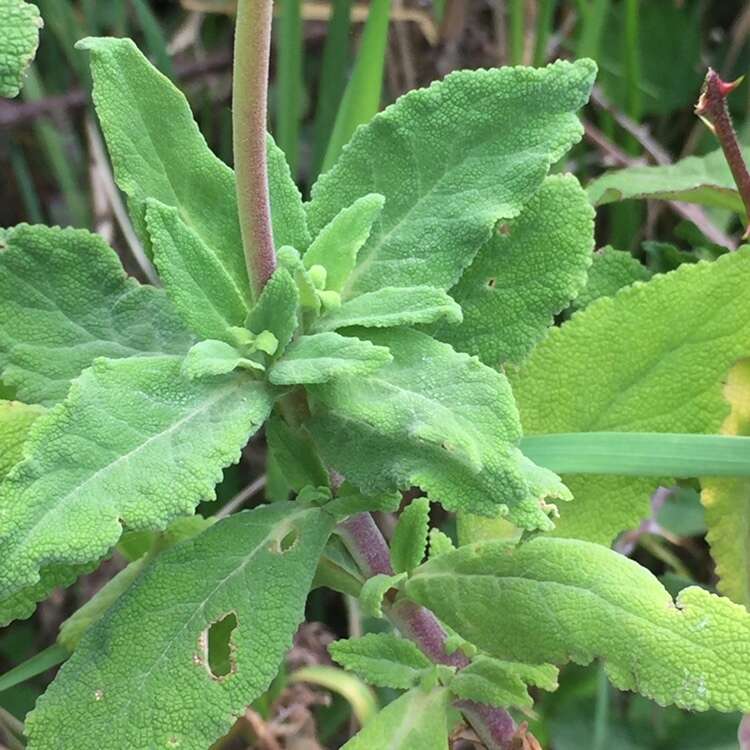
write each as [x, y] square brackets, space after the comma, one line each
[727, 500]
[650, 359]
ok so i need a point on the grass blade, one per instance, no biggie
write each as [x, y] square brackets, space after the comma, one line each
[546, 15]
[656, 454]
[361, 99]
[41, 662]
[289, 77]
[156, 43]
[517, 31]
[332, 80]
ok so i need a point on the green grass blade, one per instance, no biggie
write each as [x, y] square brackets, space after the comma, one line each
[289, 62]
[57, 154]
[332, 80]
[156, 42]
[632, 60]
[654, 454]
[517, 31]
[544, 21]
[25, 184]
[361, 99]
[593, 14]
[41, 662]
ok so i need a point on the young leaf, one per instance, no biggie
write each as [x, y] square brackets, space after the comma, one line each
[375, 589]
[432, 418]
[276, 309]
[611, 271]
[295, 455]
[204, 293]
[322, 357]
[650, 359]
[287, 210]
[338, 243]
[211, 358]
[393, 306]
[529, 271]
[381, 659]
[16, 420]
[727, 500]
[439, 543]
[502, 683]
[121, 689]
[559, 599]
[171, 164]
[410, 537]
[418, 720]
[18, 43]
[349, 503]
[496, 131]
[64, 301]
[706, 180]
[135, 444]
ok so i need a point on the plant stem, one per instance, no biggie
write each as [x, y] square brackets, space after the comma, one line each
[369, 549]
[712, 109]
[252, 48]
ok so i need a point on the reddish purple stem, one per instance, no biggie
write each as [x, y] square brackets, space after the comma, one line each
[370, 551]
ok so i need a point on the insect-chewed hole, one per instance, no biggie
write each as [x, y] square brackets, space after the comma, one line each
[491, 283]
[283, 544]
[503, 230]
[222, 660]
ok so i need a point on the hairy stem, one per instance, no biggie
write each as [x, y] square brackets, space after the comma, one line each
[712, 109]
[370, 550]
[252, 46]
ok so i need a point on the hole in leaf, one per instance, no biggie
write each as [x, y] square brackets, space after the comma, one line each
[491, 283]
[503, 230]
[283, 544]
[221, 656]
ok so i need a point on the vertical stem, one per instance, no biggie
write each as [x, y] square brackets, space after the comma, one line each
[289, 81]
[712, 108]
[252, 47]
[369, 549]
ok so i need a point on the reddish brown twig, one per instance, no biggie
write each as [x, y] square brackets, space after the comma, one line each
[712, 109]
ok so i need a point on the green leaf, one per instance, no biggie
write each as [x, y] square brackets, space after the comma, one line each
[16, 420]
[410, 537]
[374, 590]
[287, 210]
[211, 358]
[526, 274]
[19, 40]
[650, 359]
[727, 500]
[706, 180]
[381, 659]
[393, 306]
[295, 455]
[135, 445]
[348, 503]
[64, 301]
[73, 629]
[158, 152]
[276, 309]
[323, 357]
[611, 271]
[433, 418]
[439, 543]
[559, 599]
[504, 128]
[204, 293]
[140, 674]
[502, 683]
[338, 243]
[418, 720]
